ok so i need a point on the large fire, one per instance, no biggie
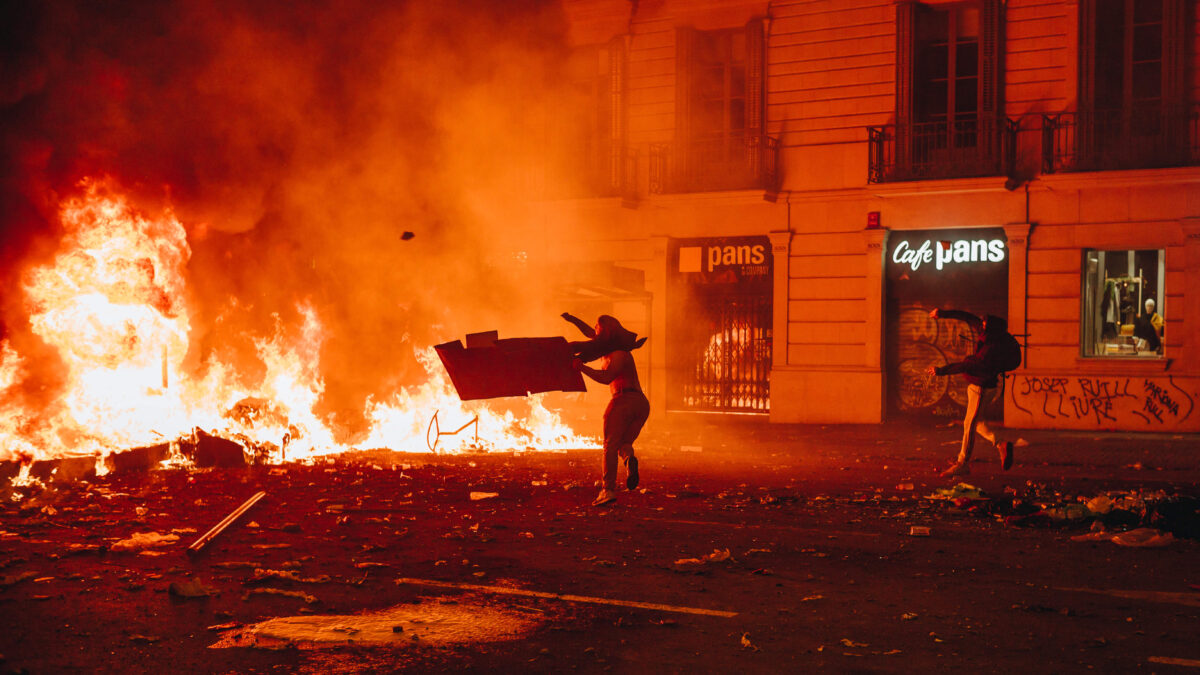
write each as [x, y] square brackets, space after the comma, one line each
[112, 304]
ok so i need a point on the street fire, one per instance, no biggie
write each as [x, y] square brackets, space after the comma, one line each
[112, 305]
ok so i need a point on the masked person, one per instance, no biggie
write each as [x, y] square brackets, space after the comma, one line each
[981, 370]
[628, 410]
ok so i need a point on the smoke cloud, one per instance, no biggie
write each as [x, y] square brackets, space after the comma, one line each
[297, 141]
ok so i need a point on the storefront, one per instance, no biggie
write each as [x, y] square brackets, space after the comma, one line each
[719, 324]
[962, 269]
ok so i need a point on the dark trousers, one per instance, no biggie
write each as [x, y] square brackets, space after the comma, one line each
[623, 420]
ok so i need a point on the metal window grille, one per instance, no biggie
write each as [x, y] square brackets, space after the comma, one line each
[732, 373]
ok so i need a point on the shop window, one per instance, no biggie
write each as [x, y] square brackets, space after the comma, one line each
[1123, 303]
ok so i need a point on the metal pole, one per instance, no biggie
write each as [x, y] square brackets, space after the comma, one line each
[217, 529]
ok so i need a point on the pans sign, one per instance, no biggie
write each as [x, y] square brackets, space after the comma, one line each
[942, 253]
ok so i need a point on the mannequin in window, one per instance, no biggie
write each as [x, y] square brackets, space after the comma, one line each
[1145, 332]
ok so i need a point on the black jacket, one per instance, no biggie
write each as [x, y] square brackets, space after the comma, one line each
[981, 367]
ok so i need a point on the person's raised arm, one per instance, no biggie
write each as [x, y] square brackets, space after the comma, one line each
[959, 315]
[583, 327]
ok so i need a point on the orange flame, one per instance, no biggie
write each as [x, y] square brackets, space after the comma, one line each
[112, 305]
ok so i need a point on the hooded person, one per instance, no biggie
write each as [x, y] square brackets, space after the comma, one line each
[982, 370]
[628, 409]
[614, 337]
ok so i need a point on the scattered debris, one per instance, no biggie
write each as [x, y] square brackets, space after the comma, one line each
[198, 545]
[309, 599]
[144, 540]
[851, 643]
[287, 575]
[14, 579]
[1142, 537]
[476, 496]
[746, 644]
[919, 531]
[191, 589]
[718, 555]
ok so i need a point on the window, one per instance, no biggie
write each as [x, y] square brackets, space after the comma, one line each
[718, 87]
[1128, 53]
[587, 125]
[1124, 305]
[719, 141]
[946, 72]
[949, 113]
[1133, 109]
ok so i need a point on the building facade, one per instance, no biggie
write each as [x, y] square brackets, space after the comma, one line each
[795, 185]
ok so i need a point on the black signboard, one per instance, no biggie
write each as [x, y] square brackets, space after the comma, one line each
[965, 269]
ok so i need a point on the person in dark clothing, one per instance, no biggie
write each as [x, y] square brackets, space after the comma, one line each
[629, 408]
[981, 370]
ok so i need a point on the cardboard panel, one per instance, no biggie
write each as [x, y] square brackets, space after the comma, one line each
[493, 368]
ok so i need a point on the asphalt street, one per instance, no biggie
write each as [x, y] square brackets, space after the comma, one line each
[746, 548]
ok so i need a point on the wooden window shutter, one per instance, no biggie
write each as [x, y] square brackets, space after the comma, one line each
[1087, 55]
[756, 55]
[685, 39]
[906, 19]
[1175, 21]
[616, 110]
[991, 59]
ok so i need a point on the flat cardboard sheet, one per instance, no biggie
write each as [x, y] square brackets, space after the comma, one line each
[492, 368]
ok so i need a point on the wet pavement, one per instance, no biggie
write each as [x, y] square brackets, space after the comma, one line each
[750, 548]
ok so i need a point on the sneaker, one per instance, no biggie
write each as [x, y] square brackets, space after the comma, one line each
[956, 469]
[632, 481]
[1006, 455]
[606, 497]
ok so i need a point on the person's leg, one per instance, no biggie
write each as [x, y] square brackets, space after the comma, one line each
[970, 420]
[638, 408]
[982, 428]
[613, 431]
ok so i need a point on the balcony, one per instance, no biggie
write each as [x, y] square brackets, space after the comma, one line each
[1147, 138]
[734, 162]
[594, 174]
[969, 148]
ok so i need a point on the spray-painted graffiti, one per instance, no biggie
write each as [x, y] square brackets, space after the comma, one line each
[925, 341]
[1103, 402]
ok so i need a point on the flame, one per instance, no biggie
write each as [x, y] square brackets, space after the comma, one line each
[112, 305]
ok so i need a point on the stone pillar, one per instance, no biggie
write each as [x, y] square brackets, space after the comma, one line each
[1018, 276]
[656, 282]
[873, 241]
[781, 246]
[1186, 325]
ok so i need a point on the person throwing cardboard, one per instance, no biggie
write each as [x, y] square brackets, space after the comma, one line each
[628, 410]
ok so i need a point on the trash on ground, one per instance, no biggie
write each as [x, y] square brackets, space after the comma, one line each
[718, 555]
[310, 599]
[261, 574]
[746, 644]
[919, 531]
[144, 540]
[1143, 537]
[476, 496]
[191, 589]
[198, 545]
[429, 623]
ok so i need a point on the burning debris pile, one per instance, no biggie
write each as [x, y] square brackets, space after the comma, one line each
[111, 306]
[252, 222]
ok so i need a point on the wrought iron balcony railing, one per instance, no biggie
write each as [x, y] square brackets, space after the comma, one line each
[732, 162]
[591, 174]
[930, 150]
[1138, 138]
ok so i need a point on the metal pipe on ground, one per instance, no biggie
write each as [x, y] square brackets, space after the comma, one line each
[198, 545]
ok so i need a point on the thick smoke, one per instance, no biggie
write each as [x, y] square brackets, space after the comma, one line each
[296, 141]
